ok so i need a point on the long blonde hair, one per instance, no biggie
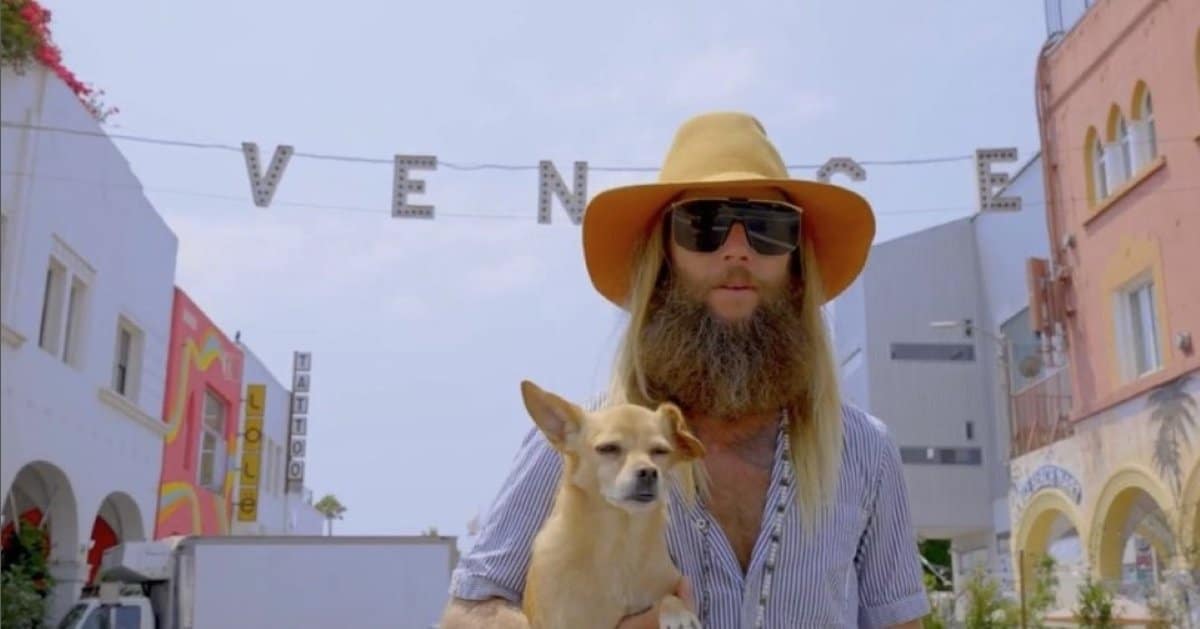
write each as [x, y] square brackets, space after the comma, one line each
[815, 421]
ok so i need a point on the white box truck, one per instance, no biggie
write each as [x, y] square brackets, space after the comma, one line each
[255, 582]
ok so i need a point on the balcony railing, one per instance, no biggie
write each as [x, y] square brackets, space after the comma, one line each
[1062, 15]
[1041, 413]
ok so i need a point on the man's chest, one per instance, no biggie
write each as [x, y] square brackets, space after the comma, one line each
[737, 497]
[750, 527]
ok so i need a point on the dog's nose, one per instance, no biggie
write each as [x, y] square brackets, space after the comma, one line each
[647, 474]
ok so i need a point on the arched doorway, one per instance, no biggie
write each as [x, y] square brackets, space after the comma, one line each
[1133, 538]
[1051, 525]
[1190, 527]
[118, 520]
[41, 495]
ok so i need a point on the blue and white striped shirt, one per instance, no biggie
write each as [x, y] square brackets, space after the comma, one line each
[861, 568]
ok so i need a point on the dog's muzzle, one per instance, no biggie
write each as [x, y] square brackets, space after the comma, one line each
[645, 488]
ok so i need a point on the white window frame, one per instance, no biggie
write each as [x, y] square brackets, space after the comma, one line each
[1099, 170]
[1144, 133]
[1137, 357]
[1125, 156]
[75, 315]
[50, 328]
[133, 367]
[218, 464]
[66, 303]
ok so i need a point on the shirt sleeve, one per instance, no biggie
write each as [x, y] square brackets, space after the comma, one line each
[891, 590]
[496, 565]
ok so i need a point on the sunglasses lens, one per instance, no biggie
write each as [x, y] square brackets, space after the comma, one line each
[696, 227]
[702, 225]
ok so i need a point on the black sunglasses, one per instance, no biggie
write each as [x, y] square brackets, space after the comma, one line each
[702, 225]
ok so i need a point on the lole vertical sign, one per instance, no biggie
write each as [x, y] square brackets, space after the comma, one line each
[248, 485]
[298, 423]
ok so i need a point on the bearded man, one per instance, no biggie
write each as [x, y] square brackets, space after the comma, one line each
[800, 516]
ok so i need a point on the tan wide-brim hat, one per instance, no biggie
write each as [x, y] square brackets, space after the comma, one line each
[725, 150]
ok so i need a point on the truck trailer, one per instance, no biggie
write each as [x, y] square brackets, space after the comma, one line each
[234, 582]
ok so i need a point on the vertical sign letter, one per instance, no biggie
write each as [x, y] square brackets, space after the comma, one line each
[298, 422]
[263, 187]
[550, 182]
[402, 185]
[988, 181]
[252, 439]
[843, 165]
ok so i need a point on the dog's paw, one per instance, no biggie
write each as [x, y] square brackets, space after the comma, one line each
[673, 614]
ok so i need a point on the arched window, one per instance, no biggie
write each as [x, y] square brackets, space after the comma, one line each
[1151, 137]
[1145, 137]
[1125, 158]
[1117, 148]
[1099, 178]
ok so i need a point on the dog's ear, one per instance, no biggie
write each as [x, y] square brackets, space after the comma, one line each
[557, 418]
[689, 447]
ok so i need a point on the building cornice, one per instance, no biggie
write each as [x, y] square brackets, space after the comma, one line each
[131, 410]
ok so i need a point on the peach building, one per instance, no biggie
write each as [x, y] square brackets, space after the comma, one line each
[1109, 481]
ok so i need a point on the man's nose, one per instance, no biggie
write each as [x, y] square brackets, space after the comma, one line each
[737, 244]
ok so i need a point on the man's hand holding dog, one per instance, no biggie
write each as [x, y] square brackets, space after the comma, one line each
[650, 619]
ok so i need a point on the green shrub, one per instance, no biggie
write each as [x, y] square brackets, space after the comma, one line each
[1095, 609]
[936, 618]
[1043, 594]
[25, 582]
[986, 607]
[23, 605]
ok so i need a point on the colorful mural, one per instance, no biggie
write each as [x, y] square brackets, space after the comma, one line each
[201, 408]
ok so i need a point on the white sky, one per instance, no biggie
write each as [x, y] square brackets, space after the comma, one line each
[420, 331]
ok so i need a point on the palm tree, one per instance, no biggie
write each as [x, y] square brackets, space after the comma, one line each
[331, 508]
[1173, 409]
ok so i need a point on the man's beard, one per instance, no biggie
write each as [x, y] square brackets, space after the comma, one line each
[725, 369]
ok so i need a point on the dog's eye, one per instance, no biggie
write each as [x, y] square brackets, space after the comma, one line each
[608, 448]
[659, 452]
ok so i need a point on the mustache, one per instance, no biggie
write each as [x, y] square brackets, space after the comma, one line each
[736, 276]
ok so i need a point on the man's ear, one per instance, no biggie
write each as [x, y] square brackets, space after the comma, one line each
[689, 447]
[557, 418]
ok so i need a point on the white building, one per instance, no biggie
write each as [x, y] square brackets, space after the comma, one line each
[279, 512]
[918, 342]
[85, 305]
[303, 518]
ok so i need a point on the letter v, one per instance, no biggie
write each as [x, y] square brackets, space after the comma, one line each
[263, 186]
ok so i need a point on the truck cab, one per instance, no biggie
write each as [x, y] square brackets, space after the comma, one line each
[115, 607]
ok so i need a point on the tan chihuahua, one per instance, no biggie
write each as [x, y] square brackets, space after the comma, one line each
[602, 553]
